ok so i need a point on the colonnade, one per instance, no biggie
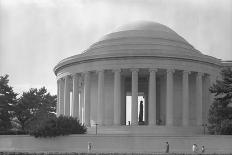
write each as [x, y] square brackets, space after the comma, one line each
[72, 83]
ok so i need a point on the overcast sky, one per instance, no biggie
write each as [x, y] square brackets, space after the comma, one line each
[37, 34]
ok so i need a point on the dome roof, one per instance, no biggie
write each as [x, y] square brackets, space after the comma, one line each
[144, 25]
[153, 27]
[139, 39]
[142, 38]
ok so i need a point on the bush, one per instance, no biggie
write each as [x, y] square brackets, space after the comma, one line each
[67, 125]
[13, 132]
[226, 128]
[63, 125]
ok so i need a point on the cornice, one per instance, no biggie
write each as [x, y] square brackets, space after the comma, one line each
[85, 59]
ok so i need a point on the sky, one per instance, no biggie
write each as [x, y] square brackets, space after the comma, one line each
[36, 34]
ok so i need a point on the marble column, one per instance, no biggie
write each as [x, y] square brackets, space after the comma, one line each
[81, 115]
[185, 98]
[117, 96]
[58, 98]
[61, 96]
[67, 96]
[100, 106]
[134, 104]
[152, 97]
[199, 99]
[169, 98]
[123, 101]
[75, 107]
[87, 98]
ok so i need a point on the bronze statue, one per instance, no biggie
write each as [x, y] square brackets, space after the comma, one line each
[141, 112]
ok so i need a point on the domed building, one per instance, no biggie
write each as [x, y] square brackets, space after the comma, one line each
[142, 75]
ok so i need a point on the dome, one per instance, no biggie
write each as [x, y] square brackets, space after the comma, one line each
[155, 28]
[142, 37]
[144, 25]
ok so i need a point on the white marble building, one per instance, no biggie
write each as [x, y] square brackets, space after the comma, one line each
[146, 60]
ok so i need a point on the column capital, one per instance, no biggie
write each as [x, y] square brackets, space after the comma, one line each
[134, 70]
[200, 74]
[153, 69]
[116, 70]
[86, 73]
[170, 70]
[75, 74]
[61, 79]
[186, 72]
[68, 77]
[100, 71]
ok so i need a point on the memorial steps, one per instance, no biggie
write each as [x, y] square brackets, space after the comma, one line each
[147, 130]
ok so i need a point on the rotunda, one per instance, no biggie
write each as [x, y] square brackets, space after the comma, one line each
[141, 61]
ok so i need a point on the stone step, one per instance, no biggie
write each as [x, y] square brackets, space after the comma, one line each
[143, 130]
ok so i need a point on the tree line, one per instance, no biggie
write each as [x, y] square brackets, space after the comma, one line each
[220, 112]
[20, 112]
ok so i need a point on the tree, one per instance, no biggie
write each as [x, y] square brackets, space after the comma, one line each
[220, 112]
[7, 100]
[33, 106]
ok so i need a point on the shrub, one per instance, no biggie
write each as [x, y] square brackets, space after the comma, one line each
[63, 125]
[13, 132]
[226, 128]
[67, 125]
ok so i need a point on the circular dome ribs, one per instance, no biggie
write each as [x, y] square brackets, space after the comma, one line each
[140, 39]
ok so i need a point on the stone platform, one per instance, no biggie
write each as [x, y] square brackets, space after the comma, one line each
[147, 130]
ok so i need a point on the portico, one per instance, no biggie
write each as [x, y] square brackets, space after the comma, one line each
[172, 83]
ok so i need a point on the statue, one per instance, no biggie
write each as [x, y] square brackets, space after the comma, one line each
[141, 112]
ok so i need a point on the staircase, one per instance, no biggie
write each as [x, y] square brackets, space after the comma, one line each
[146, 130]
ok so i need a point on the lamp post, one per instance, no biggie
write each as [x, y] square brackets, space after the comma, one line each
[96, 127]
[204, 125]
